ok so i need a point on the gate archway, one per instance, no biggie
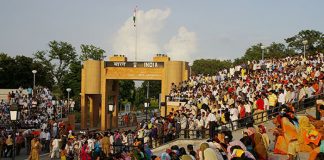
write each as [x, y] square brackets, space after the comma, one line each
[99, 84]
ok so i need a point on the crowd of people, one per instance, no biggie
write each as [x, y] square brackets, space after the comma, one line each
[234, 94]
[37, 110]
[219, 104]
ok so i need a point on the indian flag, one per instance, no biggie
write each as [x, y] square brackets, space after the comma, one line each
[134, 16]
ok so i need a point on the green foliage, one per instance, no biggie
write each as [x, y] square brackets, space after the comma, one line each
[127, 90]
[209, 66]
[141, 92]
[16, 72]
[315, 41]
[58, 60]
[91, 52]
[140, 96]
[154, 88]
[73, 80]
[154, 103]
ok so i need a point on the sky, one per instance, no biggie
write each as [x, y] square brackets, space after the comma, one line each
[183, 29]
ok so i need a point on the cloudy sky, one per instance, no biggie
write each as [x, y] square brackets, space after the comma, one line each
[185, 30]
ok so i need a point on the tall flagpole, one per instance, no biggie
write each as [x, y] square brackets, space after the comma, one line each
[134, 19]
[135, 43]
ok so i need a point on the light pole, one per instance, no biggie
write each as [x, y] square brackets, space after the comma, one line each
[146, 105]
[262, 52]
[13, 117]
[305, 43]
[147, 89]
[68, 104]
[34, 72]
[110, 111]
[61, 108]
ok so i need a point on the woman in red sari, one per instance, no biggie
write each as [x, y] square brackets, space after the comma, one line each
[85, 152]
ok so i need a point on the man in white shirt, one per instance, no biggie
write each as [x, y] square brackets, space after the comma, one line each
[289, 97]
[42, 138]
[183, 125]
[47, 140]
[55, 148]
[234, 113]
[91, 143]
[211, 122]
[199, 122]
[281, 97]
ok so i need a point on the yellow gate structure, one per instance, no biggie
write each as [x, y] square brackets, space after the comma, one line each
[99, 85]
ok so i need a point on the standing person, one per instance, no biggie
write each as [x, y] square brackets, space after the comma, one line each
[281, 98]
[183, 125]
[19, 142]
[85, 152]
[72, 104]
[55, 148]
[105, 141]
[47, 140]
[96, 149]
[2, 146]
[272, 104]
[258, 113]
[211, 120]
[29, 138]
[9, 143]
[234, 114]
[35, 149]
[43, 139]
[55, 130]
[200, 126]
[126, 118]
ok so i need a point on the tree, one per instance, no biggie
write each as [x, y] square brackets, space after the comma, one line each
[253, 53]
[127, 90]
[209, 66]
[276, 50]
[58, 60]
[154, 88]
[7, 70]
[91, 52]
[43, 76]
[140, 97]
[73, 80]
[16, 72]
[315, 41]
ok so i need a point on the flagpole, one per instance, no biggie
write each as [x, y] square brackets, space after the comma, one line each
[135, 43]
[135, 25]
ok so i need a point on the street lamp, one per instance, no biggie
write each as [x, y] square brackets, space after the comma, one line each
[110, 111]
[34, 72]
[146, 105]
[262, 50]
[68, 104]
[305, 43]
[14, 116]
